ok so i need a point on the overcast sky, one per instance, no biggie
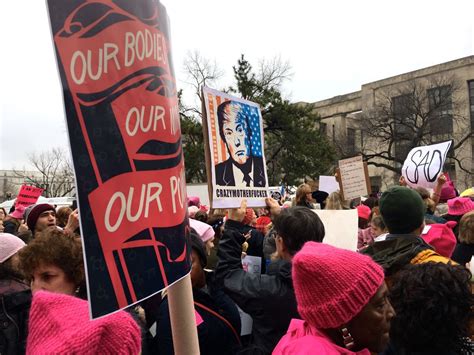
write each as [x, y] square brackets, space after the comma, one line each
[333, 47]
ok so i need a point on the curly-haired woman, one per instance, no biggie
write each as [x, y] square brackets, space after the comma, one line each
[433, 305]
[53, 262]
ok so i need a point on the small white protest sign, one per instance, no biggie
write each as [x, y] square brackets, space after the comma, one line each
[341, 227]
[328, 184]
[423, 164]
[253, 265]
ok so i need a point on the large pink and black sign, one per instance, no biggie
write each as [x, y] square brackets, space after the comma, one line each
[115, 64]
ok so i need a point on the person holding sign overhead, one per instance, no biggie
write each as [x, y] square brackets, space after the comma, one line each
[241, 169]
[268, 298]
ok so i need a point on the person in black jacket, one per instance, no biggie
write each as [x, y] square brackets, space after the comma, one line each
[269, 298]
[217, 317]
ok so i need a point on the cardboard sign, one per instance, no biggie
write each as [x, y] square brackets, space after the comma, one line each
[235, 160]
[28, 195]
[354, 178]
[121, 105]
[328, 184]
[423, 164]
[341, 227]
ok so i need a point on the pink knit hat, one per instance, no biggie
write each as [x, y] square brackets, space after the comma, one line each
[9, 246]
[192, 210]
[332, 285]
[441, 237]
[460, 205]
[448, 191]
[194, 201]
[363, 211]
[60, 324]
[19, 211]
[204, 230]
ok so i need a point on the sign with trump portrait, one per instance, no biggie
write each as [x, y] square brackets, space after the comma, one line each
[235, 159]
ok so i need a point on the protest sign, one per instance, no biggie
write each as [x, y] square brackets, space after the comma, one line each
[328, 184]
[423, 164]
[341, 227]
[235, 160]
[28, 195]
[354, 178]
[277, 192]
[121, 105]
[253, 265]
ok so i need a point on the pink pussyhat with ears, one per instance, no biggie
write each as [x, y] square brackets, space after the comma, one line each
[460, 205]
[448, 191]
[60, 324]
[19, 212]
[441, 237]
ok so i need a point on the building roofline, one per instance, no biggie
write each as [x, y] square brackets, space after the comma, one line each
[336, 99]
[437, 68]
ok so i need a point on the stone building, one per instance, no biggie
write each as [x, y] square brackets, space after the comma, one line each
[439, 99]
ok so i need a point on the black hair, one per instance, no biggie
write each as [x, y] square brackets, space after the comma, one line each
[371, 202]
[298, 225]
[433, 304]
[198, 246]
[221, 119]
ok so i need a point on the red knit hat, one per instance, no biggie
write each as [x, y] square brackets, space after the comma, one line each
[33, 212]
[441, 237]
[460, 205]
[332, 285]
[60, 324]
[262, 222]
[249, 214]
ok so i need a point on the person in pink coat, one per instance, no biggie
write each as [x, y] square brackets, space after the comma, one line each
[343, 300]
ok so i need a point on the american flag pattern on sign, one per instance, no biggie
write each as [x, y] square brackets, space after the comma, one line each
[219, 150]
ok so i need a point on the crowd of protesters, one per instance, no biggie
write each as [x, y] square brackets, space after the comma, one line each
[406, 290]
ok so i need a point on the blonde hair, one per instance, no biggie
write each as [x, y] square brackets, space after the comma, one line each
[466, 228]
[334, 201]
[301, 192]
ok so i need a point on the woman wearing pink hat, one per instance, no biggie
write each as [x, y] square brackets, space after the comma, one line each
[343, 300]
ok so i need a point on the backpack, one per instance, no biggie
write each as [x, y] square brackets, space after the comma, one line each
[15, 301]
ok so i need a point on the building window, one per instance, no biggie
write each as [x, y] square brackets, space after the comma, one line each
[441, 111]
[471, 102]
[404, 121]
[323, 128]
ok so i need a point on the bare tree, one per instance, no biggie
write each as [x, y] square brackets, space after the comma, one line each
[417, 113]
[200, 72]
[55, 173]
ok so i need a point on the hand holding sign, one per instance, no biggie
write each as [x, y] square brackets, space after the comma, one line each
[423, 164]
[238, 214]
